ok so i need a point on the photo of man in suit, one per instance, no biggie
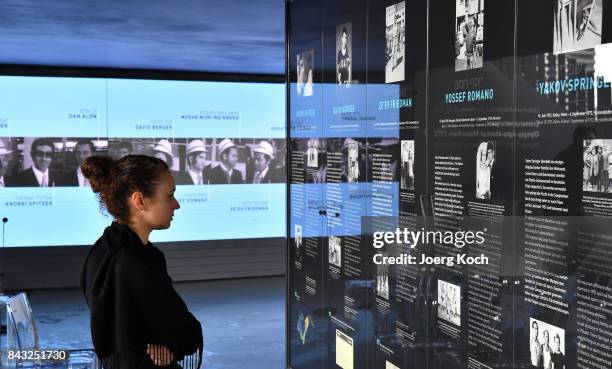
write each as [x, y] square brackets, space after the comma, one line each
[226, 172]
[262, 154]
[82, 150]
[39, 174]
[196, 165]
[163, 150]
[4, 160]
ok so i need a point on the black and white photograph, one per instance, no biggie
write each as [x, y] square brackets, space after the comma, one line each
[485, 159]
[449, 302]
[305, 66]
[352, 160]
[597, 159]
[211, 161]
[395, 39]
[577, 25]
[344, 52]
[546, 345]
[335, 251]
[407, 167]
[382, 281]
[298, 241]
[312, 168]
[469, 34]
[46, 162]
[312, 153]
[316, 169]
[231, 161]
[346, 160]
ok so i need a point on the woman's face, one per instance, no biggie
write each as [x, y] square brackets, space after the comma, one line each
[159, 209]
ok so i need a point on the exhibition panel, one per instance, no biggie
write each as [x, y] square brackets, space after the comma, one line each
[477, 132]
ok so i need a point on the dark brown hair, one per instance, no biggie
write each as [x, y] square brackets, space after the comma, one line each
[115, 181]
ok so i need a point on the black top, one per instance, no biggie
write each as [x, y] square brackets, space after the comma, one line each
[133, 303]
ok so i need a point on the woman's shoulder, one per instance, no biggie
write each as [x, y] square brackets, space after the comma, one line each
[131, 261]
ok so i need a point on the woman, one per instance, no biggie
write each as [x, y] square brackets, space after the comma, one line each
[137, 318]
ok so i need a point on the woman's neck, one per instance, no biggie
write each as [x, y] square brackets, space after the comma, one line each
[141, 230]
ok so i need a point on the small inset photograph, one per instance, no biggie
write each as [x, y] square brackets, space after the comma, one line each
[335, 251]
[395, 42]
[382, 281]
[312, 153]
[449, 302]
[597, 165]
[346, 160]
[577, 25]
[469, 34]
[485, 158]
[546, 345]
[352, 160]
[344, 39]
[305, 66]
[407, 168]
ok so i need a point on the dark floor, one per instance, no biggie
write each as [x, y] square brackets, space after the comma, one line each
[243, 320]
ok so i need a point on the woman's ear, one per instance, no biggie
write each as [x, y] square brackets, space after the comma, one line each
[137, 201]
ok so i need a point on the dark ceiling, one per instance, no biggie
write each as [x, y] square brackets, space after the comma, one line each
[231, 36]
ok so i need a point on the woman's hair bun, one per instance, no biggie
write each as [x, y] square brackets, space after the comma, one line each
[98, 170]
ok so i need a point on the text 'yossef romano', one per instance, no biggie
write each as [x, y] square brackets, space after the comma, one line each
[458, 239]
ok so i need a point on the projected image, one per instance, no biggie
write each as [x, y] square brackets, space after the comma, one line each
[208, 161]
[449, 302]
[407, 169]
[50, 125]
[305, 66]
[546, 345]
[335, 251]
[46, 162]
[577, 25]
[344, 39]
[469, 34]
[54, 162]
[485, 158]
[597, 159]
[395, 38]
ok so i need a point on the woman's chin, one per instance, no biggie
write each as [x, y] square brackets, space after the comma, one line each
[163, 226]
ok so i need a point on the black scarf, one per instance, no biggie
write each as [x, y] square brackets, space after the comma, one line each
[133, 303]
